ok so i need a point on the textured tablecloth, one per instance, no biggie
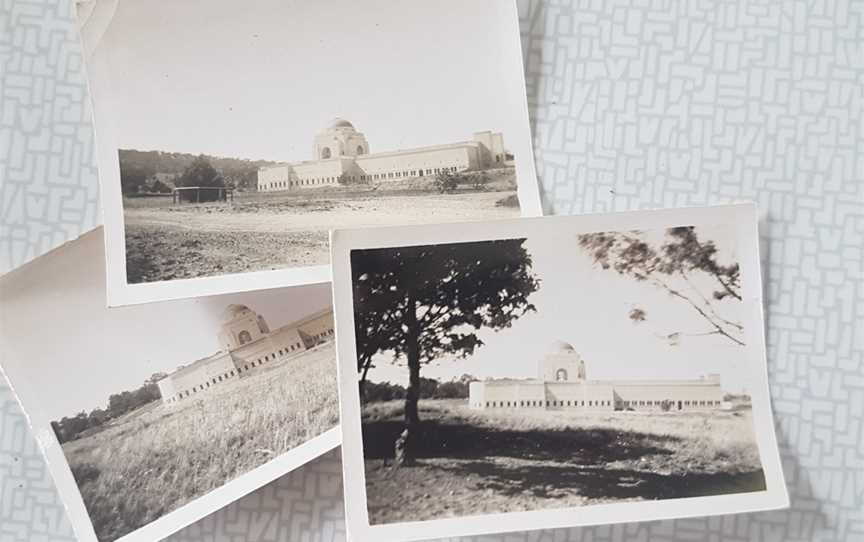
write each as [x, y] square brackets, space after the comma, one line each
[666, 104]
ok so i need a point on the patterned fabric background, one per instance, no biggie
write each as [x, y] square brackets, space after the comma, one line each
[664, 104]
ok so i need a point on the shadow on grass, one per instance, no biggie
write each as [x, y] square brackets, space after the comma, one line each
[597, 463]
[598, 482]
[458, 439]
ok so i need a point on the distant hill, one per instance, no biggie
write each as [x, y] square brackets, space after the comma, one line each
[156, 171]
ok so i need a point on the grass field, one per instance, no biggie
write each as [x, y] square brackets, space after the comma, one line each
[157, 458]
[476, 462]
[273, 230]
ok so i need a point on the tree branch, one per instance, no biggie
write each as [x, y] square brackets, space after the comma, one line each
[698, 309]
[709, 305]
[726, 287]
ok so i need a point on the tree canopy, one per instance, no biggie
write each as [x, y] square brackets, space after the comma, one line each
[119, 404]
[139, 167]
[201, 173]
[681, 255]
[421, 303]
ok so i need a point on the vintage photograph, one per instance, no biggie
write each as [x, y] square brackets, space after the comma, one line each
[557, 369]
[241, 140]
[156, 405]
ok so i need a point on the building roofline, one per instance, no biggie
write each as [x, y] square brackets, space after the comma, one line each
[682, 382]
[417, 150]
[309, 317]
[385, 154]
[613, 383]
[195, 364]
[203, 361]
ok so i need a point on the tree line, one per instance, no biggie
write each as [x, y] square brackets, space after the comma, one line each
[71, 428]
[157, 171]
[430, 388]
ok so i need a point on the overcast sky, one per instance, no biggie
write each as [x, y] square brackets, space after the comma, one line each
[56, 332]
[586, 306]
[259, 80]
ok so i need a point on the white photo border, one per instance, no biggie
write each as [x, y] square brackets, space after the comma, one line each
[95, 21]
[29, 398]
[745, 220]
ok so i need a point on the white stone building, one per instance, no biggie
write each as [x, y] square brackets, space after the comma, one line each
[247, 344]
[340, 150]
[562, 383]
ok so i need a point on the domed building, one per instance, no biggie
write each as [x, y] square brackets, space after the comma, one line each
[240, 325]
[340, 139]
[562, 383]
[342, 156]
[246, 345]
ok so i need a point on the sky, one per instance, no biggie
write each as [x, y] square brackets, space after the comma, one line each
[56, 332]
[259, 80]
[586, 306]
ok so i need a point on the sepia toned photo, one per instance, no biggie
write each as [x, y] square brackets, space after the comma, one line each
[157, 405]
[233, 145]
[558, 369]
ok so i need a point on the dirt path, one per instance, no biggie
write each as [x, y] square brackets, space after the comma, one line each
[173, 242]
[325, 213]
[163, 252]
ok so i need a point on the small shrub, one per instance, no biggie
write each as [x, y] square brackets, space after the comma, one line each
[160, 187]
[666, 406]
[84, 472]
[446, 182]
[480, 181]
[510, 201]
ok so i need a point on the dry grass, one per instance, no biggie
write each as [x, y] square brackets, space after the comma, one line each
[156, 459]
[475, 462]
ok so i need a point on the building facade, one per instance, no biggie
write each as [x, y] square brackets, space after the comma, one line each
[341, 152]
[562, 384]
[246, 345]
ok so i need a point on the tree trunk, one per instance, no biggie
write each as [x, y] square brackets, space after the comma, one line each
[412, 394]
[366, 367]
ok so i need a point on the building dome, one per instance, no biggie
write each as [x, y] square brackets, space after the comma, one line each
[233, 311]
[561, 347]
[340, 123]
[340, 138]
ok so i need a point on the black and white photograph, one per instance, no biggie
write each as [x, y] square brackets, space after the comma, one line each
[233, 138]
[552, 364]
[150, 408]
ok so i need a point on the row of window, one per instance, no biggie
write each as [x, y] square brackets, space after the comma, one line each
[316, 181]
[225, 376]
[412, 173]
[630, 404]
[301, 182]
[289, 348]
[255, 363]
[591, 403]
[323, 334]
[506, 404]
